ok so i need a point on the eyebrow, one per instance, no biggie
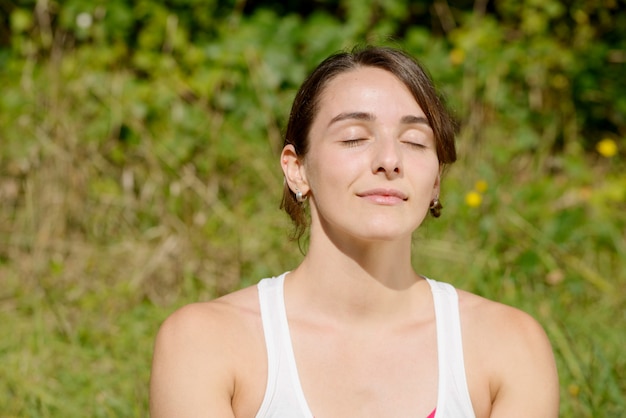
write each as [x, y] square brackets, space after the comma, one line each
[411, 119]
[368, 117]
[364, 116]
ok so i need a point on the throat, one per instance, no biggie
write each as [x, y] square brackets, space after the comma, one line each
[353, 299]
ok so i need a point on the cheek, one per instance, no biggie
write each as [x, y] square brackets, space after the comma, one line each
[427, 175]
[329, 169]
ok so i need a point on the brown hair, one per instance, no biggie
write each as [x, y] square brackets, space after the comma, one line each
[404, 67]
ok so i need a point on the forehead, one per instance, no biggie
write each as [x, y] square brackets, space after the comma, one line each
[367, 88]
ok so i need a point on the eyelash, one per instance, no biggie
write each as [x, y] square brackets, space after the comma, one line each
[350, 143]
[416, 145]
[353, 142]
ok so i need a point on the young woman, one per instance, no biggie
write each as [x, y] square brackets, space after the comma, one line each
[353, 331]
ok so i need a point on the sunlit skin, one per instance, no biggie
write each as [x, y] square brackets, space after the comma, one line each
[370, 173]
[361, 320]
[372, 168]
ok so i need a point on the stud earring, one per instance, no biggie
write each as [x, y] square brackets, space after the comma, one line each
[300, 198]
[435, 208]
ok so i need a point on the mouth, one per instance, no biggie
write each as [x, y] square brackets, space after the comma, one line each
[384, 196]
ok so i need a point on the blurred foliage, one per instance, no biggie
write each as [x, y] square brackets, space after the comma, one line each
[138, 172]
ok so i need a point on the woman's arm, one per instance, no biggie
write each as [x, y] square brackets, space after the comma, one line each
[192, 374]
[527, 381]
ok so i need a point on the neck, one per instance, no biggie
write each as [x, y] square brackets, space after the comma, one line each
[357, 281]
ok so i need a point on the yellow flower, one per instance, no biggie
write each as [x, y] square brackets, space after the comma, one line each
[573, 389]
[457, 56]
[473, 199]
[481, 186]
[607, 147]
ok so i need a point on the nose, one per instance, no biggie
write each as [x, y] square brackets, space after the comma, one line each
[387, 159]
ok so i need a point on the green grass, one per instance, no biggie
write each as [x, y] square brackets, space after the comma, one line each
[125, 196]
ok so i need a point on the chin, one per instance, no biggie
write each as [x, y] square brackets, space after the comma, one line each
[372, 228]
[388, 230]
[389, 234]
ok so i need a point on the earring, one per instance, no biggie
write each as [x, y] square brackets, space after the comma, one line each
[435, 208]
[300, 197]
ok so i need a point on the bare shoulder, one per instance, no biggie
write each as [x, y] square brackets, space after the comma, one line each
[225, 315]
[494, 320]
[198, 352]
[513, 352]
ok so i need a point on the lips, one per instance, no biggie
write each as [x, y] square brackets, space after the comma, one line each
[384, 196]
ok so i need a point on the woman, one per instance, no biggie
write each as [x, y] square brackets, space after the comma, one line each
[353, 331]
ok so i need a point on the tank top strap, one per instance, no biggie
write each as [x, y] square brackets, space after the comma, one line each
[453, 397]
[283, 395]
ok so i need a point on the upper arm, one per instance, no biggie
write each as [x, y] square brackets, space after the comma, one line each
[191, 372]
[527, 380]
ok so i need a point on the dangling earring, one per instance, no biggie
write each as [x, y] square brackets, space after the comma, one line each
[435, 208]
[300, 197]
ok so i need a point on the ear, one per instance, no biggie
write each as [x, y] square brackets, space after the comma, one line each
[294, 170]
[437, 186]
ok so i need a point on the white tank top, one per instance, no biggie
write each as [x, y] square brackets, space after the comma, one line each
[284, 397]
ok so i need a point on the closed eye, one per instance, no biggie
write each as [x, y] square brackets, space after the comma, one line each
[416, 145]
[418, 137]
[352, 142]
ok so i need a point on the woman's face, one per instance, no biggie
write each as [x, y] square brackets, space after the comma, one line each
[372, 168]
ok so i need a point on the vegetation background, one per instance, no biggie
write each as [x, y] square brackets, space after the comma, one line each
[138, 172]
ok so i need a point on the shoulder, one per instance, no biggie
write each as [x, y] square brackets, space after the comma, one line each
[236, 309]
[515, 355]
[215, 324]
[198, 352]
[494, 320]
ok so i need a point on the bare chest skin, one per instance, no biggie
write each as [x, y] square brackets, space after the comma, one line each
[374, 372]
[368, 373]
